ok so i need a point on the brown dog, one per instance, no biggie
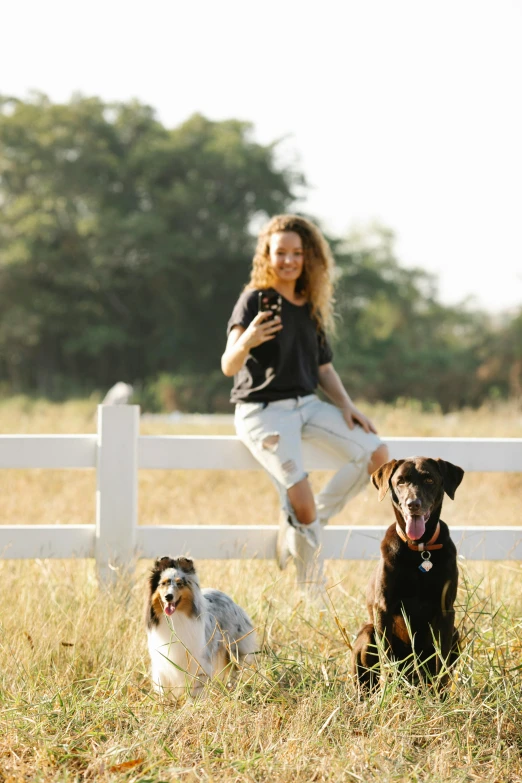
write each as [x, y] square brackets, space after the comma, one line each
[414, 586]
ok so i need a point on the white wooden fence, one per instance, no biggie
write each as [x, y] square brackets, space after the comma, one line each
[118, 451]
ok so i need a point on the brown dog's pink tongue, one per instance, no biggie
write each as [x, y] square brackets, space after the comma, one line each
[415, 527]
[170, 609]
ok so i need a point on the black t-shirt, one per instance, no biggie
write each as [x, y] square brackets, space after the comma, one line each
[286, 366]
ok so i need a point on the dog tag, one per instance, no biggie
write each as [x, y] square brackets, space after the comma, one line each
[426, 565]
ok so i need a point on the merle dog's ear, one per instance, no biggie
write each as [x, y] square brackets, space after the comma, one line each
[451, 474]
[186, 565]
[162, 562]
[381, 477]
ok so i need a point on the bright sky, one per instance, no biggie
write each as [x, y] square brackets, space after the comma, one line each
[404, 111]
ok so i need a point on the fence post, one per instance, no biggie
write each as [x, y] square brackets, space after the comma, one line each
[116, 489]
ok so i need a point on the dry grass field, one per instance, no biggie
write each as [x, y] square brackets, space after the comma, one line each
[75, 697]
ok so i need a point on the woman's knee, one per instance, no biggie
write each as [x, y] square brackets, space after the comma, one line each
[378, 458]
[302, 500]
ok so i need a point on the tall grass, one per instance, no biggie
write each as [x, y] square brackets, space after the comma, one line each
[75, 696]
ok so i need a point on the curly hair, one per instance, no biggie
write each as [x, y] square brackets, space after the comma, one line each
[315, 282]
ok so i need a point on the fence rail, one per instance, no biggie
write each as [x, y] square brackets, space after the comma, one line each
[118, 451]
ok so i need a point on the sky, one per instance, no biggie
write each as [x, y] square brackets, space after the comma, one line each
[405, 112]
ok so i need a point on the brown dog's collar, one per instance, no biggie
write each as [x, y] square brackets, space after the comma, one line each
[420, 547]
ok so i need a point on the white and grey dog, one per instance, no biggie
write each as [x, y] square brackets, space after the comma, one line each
[193, 634]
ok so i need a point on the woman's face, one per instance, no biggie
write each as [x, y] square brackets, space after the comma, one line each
[286, 255]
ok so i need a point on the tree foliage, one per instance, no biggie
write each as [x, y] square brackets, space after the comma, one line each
[124, 245]
[396, 339]
[122, 242]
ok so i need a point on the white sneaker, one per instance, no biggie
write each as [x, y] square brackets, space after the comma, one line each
[304, 543]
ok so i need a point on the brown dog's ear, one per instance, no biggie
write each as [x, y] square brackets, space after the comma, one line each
[381, 477]
[451, 474]
[187, 565]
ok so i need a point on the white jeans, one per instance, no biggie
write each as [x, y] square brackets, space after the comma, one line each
[274, 434]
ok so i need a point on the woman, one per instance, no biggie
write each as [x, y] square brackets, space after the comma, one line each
[278, 363]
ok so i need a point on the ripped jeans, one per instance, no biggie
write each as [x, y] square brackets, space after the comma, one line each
[274, 433]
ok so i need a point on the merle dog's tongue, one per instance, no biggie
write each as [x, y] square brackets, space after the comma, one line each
[170, 609]
[415, 526]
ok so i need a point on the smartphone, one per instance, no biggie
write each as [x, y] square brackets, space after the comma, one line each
[272, 302]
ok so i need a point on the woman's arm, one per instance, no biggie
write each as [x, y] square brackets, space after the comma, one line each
[332, 386]
[241, 341]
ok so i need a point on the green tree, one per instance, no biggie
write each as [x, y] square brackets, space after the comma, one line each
[395, 338]
[500, 370]
[122, 243]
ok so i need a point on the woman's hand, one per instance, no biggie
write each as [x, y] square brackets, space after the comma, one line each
[260, 330]
[353, 416]
[241, 340]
